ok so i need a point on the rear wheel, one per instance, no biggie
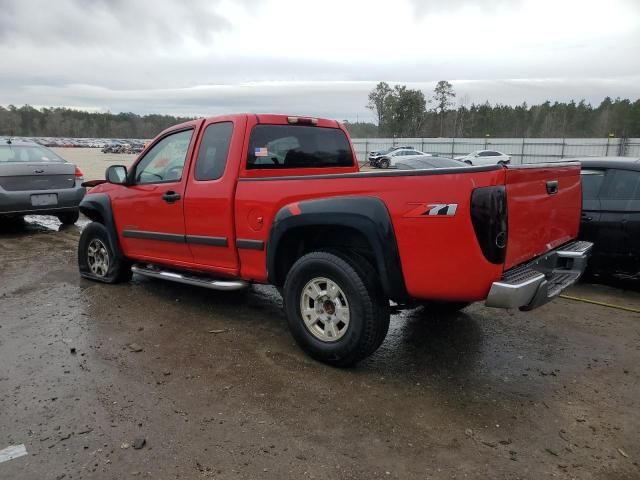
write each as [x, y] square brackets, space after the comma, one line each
[335, 310]
[69, 218]
[96, 258]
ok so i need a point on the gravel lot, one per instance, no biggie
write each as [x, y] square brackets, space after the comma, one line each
[217, 389]
[92, 161]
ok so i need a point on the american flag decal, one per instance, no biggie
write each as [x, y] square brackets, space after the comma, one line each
[433, 210]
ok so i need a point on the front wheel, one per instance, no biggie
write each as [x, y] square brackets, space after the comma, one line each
[384, 163]
[96, 258]
[335, 309]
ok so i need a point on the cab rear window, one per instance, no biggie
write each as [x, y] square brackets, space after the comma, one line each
[298, 146]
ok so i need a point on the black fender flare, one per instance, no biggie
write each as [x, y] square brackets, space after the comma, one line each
[97, 207]
[367, 215]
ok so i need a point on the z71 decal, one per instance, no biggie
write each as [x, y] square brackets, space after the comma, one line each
[433, 210]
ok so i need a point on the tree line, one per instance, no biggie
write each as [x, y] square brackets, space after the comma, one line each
[405, 112]
[27, 121]
[400, 112]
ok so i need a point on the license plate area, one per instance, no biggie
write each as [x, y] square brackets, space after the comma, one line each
[44, 199]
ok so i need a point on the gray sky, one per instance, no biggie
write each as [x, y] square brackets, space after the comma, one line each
[204, 57]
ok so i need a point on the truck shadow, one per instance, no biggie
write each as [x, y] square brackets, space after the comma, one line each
[30, 225]
[418, 340]
[622, 282]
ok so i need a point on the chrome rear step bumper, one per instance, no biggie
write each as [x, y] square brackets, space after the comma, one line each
[535, 283]
[189, 278]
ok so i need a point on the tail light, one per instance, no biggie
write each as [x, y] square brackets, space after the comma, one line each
[489, 218]
[79, 176]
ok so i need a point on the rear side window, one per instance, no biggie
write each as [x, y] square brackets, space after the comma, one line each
[214, 149]
[622, 185]
[591, 183]
[287, 146]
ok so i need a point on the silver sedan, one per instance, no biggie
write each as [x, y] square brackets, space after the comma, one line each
[36, 181]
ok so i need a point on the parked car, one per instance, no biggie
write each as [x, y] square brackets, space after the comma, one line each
[390, 159]
[294, 211]
[485, 157]
[376, 155]
[36, 181]
[422, 162]
[611, 213]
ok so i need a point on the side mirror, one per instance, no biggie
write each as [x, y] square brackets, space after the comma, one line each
[117, 174]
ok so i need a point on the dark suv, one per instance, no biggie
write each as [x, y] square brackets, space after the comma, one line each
[611, 213]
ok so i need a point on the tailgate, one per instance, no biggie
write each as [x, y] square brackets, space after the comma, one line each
[544, 203]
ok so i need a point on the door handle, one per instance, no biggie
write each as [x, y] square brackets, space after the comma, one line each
[552, 187]
[171, 196]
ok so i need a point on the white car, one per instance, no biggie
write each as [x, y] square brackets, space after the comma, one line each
[391, 158]
[485, 157]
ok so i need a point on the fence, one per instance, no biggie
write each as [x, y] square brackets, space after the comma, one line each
[521, 150]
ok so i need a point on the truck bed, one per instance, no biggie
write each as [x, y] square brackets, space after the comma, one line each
[440, 254]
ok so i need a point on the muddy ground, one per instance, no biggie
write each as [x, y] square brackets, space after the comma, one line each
[553, 393]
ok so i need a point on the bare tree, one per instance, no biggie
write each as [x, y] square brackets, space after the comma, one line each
[443, 96]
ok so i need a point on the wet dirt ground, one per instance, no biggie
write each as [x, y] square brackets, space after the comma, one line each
[218, 389]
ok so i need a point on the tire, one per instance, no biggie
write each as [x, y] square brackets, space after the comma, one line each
[353, 337]
[69, 218]
[101, 264]
[384, 163]
[445, 308]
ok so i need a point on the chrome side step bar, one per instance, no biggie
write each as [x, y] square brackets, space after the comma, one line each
[188, 278]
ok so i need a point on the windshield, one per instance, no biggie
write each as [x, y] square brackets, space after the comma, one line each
[27, 153]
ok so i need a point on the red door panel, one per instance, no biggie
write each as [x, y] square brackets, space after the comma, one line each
[149, 212]
[209, 199]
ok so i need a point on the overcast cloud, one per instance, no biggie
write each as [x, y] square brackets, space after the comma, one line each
[213, 56]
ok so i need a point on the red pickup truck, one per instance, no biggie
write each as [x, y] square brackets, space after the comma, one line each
[227, 201]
